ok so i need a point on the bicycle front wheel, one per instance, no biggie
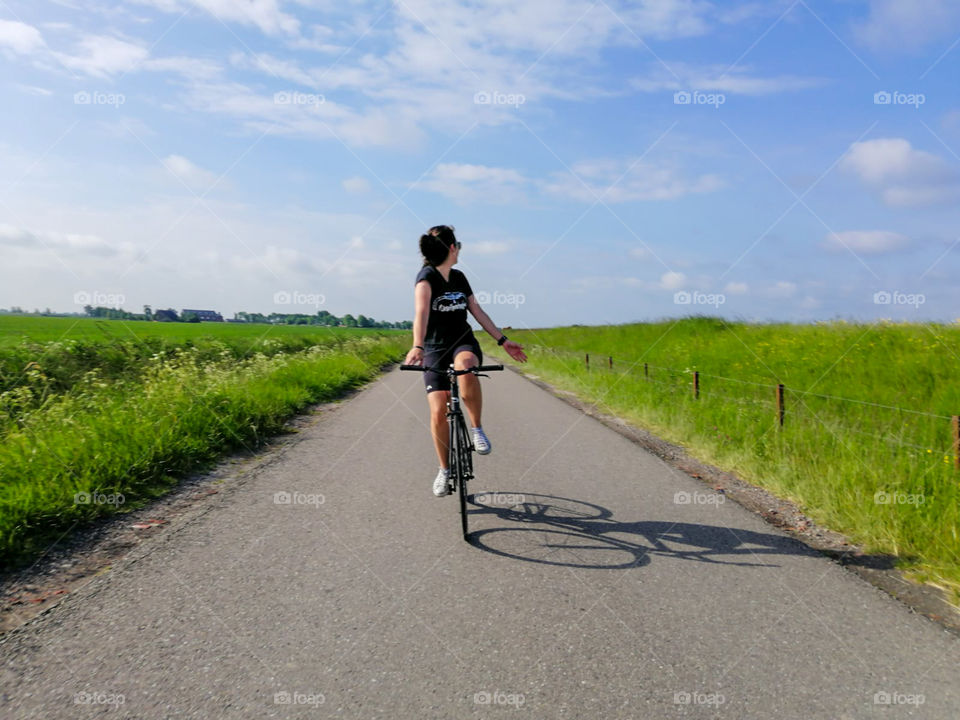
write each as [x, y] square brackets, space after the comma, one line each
[461, 451]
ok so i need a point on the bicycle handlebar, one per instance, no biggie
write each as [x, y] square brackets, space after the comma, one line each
[479, 368]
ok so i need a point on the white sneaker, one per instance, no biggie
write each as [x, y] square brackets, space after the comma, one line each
[480, 442]
[441, 484]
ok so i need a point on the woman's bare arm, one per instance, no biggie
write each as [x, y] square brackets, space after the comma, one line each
[481, 316]
[421, 312]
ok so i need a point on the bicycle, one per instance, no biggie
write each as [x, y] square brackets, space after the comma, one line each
[460, 444]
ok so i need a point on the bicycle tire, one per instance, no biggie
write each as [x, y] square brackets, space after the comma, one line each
[463, 472]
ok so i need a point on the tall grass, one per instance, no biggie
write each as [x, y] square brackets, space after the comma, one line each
[883, 476]
[67, 461]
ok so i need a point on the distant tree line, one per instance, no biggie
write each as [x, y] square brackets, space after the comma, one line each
[322, 317]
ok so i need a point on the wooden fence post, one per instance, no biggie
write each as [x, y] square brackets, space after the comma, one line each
[646, 371]
[780, 403]
[611, 362]
[696, 384]
[588, 361]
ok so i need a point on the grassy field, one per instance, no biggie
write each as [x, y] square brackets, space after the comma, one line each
[16, 328]
[100, 417]
[882, 475]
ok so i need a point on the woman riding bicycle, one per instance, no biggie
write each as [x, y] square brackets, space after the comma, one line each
[441, 336]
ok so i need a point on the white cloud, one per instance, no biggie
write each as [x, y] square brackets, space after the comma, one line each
[639, 252]
[191, 175]
[465, 183]
[429, 57]
[188, 67]
[904, 176]
[867, 242]
[738, 80]
[356, 185]
[634, 182]
[895, 25]
[782, 289]
[736, 288]
[103, 56]
[672, 280]
[58, 242]
[263, 14]
[488, 247]
[19, 37]
[261, 113]
[32, 90]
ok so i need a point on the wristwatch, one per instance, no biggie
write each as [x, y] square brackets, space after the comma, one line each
[502, 340]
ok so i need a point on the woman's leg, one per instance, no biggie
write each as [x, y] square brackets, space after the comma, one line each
[438, 423]
[470, 392]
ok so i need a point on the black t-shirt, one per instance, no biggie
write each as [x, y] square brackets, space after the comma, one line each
[447, 324]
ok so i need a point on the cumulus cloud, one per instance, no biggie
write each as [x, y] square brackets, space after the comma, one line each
[736, 288]
[103, 56]
[903, 175]
[19, 37]
[867, 242]
[672, 280]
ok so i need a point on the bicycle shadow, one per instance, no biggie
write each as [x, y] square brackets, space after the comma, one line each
[573, 533]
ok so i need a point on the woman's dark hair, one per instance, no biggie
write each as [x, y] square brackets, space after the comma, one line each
[435, 244]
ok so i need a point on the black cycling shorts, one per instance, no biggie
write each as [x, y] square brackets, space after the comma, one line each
[438, 361]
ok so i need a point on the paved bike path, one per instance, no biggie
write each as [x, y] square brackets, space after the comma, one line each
[599, 596]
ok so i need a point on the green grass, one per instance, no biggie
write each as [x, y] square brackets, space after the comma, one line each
[831, 457]
[129, 417]
[14, 328]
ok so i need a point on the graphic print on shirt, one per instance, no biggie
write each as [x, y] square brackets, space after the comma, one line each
[450, 302]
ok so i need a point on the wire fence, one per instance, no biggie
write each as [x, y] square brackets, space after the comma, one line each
[777, 399]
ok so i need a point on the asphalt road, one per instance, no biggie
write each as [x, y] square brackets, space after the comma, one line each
[593, 590]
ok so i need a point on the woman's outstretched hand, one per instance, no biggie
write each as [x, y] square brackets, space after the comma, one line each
[515, 350]
[415, 357]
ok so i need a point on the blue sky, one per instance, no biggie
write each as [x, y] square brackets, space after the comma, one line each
[285, 155]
